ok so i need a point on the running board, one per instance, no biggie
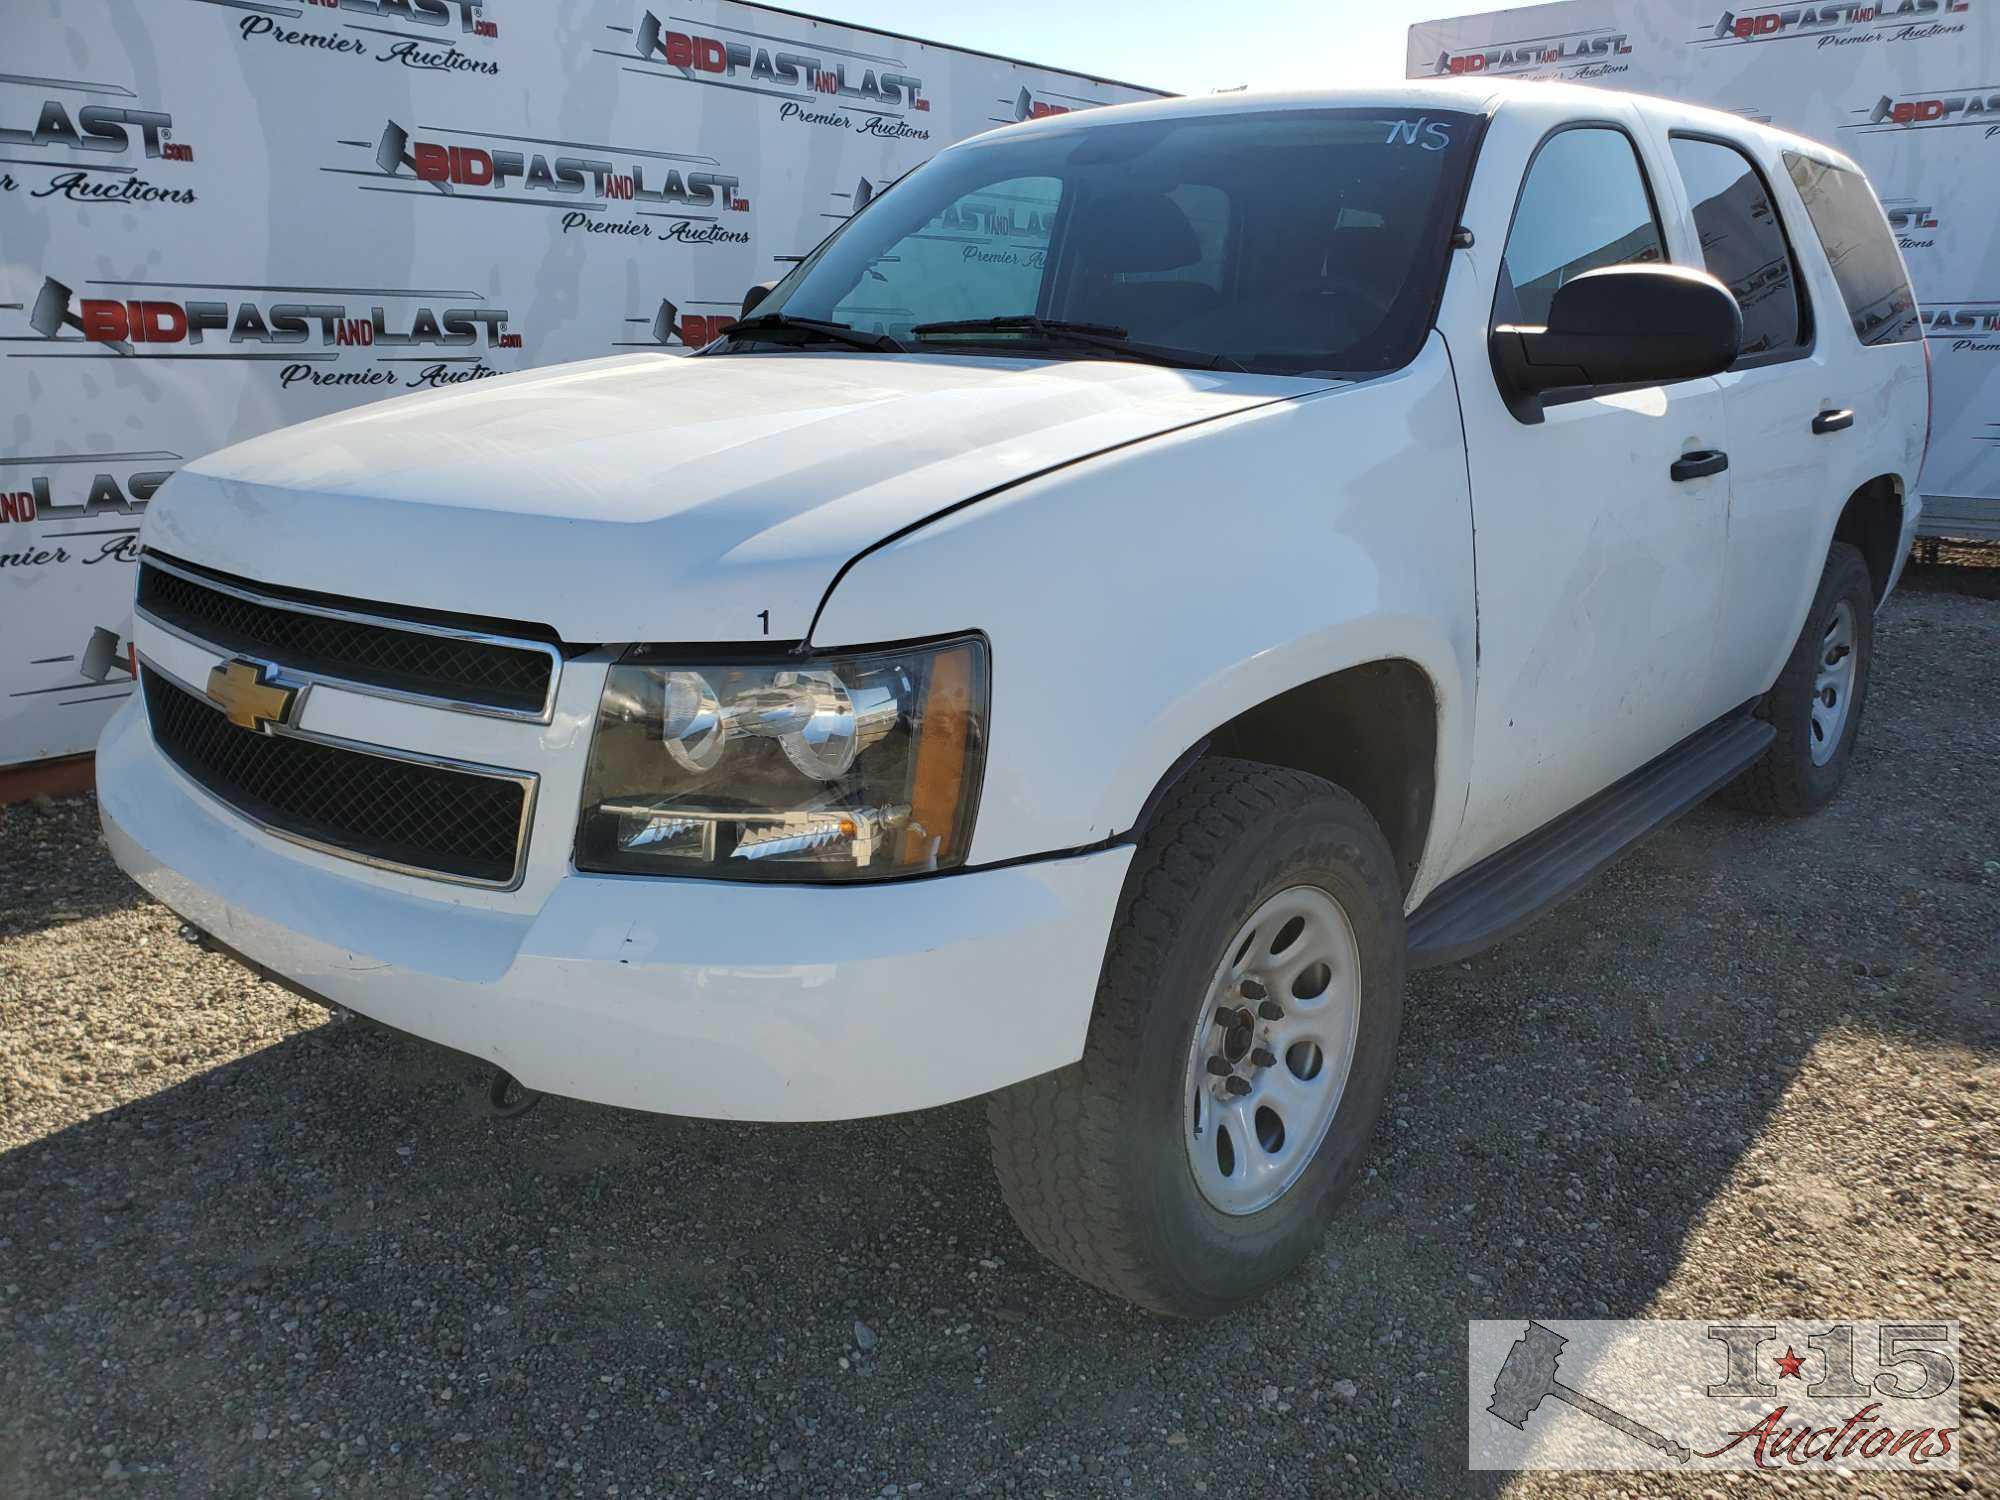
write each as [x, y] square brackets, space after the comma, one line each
[1506, 891]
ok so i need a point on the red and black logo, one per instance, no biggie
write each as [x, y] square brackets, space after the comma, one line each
[1572, 54]
[421, 34]
[105, 666]
[1850, 22]
[673, 327]
[1932, 111]
[81, 509]
[816, 84]
[314, 342]
[80, 486]
[1030, 104]
[93, 152]
[598, 189]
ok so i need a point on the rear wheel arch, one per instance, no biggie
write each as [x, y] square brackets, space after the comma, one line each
[1872, 523]
[1371, 729]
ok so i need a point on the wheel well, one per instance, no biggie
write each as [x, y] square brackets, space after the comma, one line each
[1872, 520]
[1370, 729]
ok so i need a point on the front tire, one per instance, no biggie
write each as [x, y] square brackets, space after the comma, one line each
[1816, 703]
[1239, 1050]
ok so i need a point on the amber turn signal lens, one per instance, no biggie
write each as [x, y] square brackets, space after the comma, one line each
[938, 786]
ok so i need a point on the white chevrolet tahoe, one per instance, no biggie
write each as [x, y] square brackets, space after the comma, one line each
[1139, 586]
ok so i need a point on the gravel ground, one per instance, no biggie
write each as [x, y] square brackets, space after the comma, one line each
[245, 1251]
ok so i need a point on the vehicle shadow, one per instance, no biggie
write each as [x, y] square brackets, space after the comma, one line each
[1564, 1114]
[1955, 567]
[332, 1240]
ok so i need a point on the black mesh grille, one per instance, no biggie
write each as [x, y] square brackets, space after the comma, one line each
[380, 655]
[426, 817]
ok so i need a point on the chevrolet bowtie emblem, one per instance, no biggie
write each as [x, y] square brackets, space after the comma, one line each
[248, 701]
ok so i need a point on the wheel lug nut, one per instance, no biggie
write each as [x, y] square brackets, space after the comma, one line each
[1270, 1010]
[1237, 1086]
[1219, 1068]
[1252, 989]
[1264, 1058]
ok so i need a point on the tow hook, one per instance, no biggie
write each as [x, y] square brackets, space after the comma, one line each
[507, 1096]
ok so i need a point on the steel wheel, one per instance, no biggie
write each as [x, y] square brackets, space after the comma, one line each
[1272, 1050]
[1112, 1166]
[1833, 686]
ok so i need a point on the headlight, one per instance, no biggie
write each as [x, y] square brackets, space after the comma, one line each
[847, 767]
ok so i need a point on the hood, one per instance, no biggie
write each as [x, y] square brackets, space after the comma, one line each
[656, 497]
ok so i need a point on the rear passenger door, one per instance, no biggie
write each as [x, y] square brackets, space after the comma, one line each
[1780, 445]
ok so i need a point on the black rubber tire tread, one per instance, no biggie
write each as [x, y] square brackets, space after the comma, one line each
[1060, 1141]
[1783, 782]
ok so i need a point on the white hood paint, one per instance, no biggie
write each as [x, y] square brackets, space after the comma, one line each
[650, 497]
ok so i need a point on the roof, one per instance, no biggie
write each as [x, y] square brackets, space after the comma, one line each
[1473, 95]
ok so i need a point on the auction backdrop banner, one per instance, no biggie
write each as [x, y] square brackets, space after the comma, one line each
[218, 217]
[1909, 88]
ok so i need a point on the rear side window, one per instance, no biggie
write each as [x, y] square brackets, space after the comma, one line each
[1855, 235]
[1584, 206]
[1743, 245]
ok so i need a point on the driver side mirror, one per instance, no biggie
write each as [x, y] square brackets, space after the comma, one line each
[757, 294]
[1622, 325]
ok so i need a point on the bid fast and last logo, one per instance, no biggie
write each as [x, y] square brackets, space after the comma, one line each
[430, 36]
[76, 510]
[1916, 223]
[1039, 104]
[310, 337]
[1941, 109]
[60, 488]
[629, 191]
[673, 327]
[816, 84]
[1572, 55]
[1963, 327]
[95, 146]
[1848, 24]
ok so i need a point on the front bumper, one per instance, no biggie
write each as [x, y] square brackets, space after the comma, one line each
[681, 996]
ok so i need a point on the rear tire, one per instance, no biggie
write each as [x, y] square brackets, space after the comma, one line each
[1117, 1166]
[1817, 701]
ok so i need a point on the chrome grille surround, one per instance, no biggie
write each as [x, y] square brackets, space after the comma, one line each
[383, 654]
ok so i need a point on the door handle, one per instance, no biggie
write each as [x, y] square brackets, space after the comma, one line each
[1699, 464]
[1832, 421]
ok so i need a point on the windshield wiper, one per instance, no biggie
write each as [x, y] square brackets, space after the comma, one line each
[1088, 335]
[1026, 322]
[764, 324]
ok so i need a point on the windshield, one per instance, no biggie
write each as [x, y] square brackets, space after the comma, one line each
[1286, 241]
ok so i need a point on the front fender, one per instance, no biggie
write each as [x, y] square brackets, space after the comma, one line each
[1138, 600]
